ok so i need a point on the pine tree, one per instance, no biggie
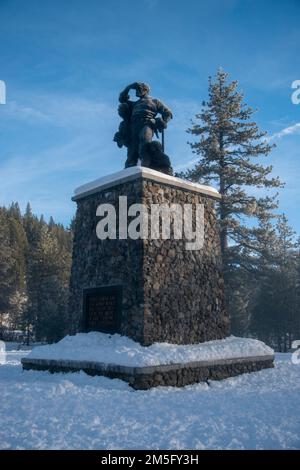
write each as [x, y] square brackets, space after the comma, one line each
[286, 293]
[51, 223]
[275, 316]
[230, 148]
[49, 264]
[6, 267]
[14, 211]
[28, 211]
[228, 143]
[19, 246]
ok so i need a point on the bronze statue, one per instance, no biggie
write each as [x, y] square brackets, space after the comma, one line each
[140, 123]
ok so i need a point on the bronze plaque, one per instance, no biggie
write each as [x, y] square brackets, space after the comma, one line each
[102, 309]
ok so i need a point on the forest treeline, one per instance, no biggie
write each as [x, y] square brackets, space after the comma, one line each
[35, 263]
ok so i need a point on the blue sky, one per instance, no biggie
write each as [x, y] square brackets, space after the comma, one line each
[64, 63]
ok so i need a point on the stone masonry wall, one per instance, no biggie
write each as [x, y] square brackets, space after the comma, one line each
[183, 289]
[169, 293]
[107, 262]
[143, 378]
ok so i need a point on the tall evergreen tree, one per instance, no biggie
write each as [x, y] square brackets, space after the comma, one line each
[231, 149]
[6, 264]
[229, 146]
[48, 270]
[19, 246]
[285, 298]
[276, 316]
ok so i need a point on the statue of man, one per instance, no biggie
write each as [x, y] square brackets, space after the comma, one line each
[139, 124]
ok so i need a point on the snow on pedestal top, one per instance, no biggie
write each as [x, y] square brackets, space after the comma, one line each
[135, 172]
[116, 349]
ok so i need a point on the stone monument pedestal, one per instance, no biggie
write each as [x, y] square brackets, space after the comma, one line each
[148, 284]
[157, 289]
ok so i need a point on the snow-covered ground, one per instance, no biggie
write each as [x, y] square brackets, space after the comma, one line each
[117, 349]
[74, 411]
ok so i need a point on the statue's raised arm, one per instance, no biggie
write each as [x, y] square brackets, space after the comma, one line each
[124, 95]
[140, 123]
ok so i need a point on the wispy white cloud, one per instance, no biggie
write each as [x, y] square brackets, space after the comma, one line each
[15, 110]
[60, 111]
[290, 130]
